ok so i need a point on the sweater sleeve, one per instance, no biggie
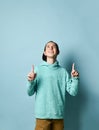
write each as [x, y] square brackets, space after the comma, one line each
[31, 87]
[72, 85]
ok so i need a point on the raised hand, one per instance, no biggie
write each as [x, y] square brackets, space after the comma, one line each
[74, 73]
[32, 74]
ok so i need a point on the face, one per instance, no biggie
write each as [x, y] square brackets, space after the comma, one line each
[51, 50]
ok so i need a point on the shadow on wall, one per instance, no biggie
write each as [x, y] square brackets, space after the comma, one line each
[74, 106]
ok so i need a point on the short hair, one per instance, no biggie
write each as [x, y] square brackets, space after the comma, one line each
[57, 47]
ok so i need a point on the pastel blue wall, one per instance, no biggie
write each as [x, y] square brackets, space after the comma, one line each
[25, 27]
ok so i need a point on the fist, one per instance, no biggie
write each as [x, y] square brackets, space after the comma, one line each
[74, 73]
[31, 76]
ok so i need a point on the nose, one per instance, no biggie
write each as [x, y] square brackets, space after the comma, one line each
[51, 47]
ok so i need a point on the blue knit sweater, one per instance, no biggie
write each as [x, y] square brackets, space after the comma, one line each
[50, 86]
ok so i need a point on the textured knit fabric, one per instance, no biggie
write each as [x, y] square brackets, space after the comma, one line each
[50, 86]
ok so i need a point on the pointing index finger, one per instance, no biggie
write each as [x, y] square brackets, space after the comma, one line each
[73, 65]
[32, 68]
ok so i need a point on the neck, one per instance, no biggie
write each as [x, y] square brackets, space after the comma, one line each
[51, 60]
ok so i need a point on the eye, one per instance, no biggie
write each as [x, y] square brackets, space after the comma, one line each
[54, 46]
[48, 46]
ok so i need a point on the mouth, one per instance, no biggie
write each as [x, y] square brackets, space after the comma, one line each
[50, 52]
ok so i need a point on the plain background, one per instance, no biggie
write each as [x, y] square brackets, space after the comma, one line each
[25, 27]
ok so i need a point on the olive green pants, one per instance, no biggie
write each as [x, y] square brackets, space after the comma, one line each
[49, 124]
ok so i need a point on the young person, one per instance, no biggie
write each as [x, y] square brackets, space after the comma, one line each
[49, 81]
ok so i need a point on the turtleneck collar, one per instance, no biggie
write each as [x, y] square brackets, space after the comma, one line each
[55, 64]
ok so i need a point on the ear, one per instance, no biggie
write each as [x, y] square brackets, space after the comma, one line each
[44, 53]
